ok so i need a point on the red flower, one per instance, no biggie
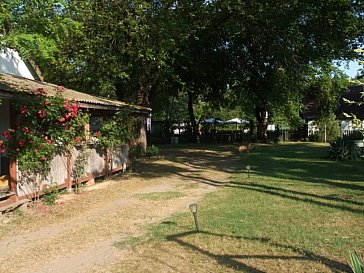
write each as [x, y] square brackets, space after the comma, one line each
[21, 143]
[25, 130]
[17, 149]
[9, 137]
[42, 113]
[43, 158]
[2, 150]
[37, 93]
[74, 110]
[62, 119]
[23, 110]
[5, 133]
[46, 103]
[49, 141]
[96, 134]
[67, 116]
[44, 91]
[60, 87]
[77, 140]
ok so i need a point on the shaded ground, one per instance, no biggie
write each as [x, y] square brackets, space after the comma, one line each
[82, 233]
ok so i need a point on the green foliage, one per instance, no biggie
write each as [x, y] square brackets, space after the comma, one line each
[79, 164]
[116, 130]
[44, 126]
[258, 55]
[136, 152]
[326, 86]
[330, 126]
[356, 264]
[50, 195]
[152, 151]
[343, 149]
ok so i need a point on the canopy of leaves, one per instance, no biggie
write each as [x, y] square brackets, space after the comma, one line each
[257, 55]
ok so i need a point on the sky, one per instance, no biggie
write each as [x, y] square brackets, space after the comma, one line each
[352, 70]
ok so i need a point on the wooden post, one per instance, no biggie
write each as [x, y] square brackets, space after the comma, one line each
[13, 176]
[69, 178]
[106, 163]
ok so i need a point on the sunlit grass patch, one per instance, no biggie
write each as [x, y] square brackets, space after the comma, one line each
[296, 211]
[159, 196]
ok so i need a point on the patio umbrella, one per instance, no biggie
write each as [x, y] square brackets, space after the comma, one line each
[213, 121]
[236, 121]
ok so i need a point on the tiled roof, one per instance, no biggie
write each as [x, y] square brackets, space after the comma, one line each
[13, 84]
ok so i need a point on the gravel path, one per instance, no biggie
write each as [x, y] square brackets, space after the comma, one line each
[79, 234]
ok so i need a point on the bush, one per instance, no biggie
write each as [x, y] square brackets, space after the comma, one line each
[137, 151]
[343, 149]
[152, 151]
[331, 126]
[50, 195]
[274, 136]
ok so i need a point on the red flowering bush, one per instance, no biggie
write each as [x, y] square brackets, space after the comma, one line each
[44, 126]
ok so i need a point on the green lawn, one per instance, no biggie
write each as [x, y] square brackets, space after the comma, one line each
[298, 212]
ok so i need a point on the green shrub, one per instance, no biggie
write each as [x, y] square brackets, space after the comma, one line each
[50, 195]
[152, 151]
[331, 126]
[343, 149]
[137, 151]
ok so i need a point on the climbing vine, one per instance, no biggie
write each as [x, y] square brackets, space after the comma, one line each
[114, 131]
[44, 127]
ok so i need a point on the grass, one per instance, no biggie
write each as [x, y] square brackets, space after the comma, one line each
[158, 196]
[297, 211]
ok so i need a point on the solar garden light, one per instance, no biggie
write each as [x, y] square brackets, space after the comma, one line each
[193, 209]
[248, 169]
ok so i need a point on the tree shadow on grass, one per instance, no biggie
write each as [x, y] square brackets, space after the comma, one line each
[296, 162]
[328, 198]
[301, 162]
[301, 196]
[231, 260]
[294, 195]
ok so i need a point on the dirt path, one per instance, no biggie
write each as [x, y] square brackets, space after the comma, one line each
[79, 234]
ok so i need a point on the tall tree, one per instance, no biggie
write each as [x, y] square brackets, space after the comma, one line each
[276, 43]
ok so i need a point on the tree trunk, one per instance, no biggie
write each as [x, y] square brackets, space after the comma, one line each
[192, 117]
[262, 123]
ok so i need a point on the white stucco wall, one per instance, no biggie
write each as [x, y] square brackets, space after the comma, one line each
[11, 63]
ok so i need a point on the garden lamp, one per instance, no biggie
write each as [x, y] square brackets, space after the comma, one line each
[248, 169]
[193, 209]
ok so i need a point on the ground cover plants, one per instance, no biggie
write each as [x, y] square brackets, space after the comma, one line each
[298, 212]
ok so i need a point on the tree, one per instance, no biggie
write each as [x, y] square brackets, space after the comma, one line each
[260, 53]
[276, 43]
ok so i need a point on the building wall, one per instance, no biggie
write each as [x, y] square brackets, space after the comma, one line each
[11, 63]
[59, 172]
